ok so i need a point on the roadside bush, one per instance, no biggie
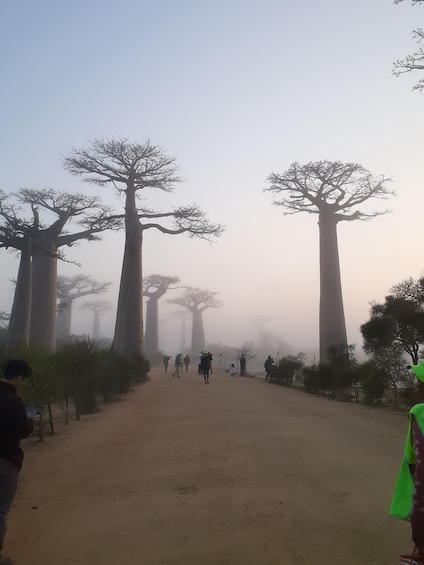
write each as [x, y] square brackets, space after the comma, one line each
[42, 390]
[373, 381]
[75, 364]
[311, 379]
[287, 369]
[108, 374]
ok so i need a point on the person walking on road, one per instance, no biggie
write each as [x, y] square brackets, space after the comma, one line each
[269, 364]
[206, 365]
[14, 426]
[166, 359]
[186, 362]
[242, 364]
[178, 364]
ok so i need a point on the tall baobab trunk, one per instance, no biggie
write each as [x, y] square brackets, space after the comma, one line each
[198, 333]
[21, 309]
[332, 325]
[151, 339]
[64, 319]
[96, 325]
[183, 334]
[44, 289]
[129, 317]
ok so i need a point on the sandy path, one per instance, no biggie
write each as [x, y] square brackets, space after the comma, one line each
[235, 472]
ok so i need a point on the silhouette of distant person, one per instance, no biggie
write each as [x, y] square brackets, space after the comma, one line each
[269, 364]
[178, 364]
[166, 359]
[186, 362]
[232, 370]
[242, 365]
[206, 365]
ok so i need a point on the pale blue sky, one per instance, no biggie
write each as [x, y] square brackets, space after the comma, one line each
[234, 89]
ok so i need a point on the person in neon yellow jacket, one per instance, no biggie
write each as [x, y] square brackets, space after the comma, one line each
[408, 497]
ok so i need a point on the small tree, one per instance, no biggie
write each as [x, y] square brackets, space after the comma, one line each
[392, 361]
[76, 364]
[373, 380]
[397, 321]
[43, 390]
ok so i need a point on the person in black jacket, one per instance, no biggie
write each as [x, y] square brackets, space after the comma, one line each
[14, 426]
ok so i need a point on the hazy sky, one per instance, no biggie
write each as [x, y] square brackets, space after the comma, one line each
[235, 89]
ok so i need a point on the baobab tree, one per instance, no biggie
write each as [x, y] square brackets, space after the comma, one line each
[46, 239]
[183, 316]
[70, 289]
[331, 190]
[131, 168]
[197, 301]
[13, 234]
[154, 287]
[98, 307]
[414, 62]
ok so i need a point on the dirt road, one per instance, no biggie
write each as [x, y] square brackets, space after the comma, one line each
[237, 472]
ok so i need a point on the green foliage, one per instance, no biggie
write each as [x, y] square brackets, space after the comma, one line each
[312, 379]
[373, 380]
[399, 321]
[408, 393]
[134, 368]
[288, 369]
[109, 374]
[337, 377]
[79, 372]
[75, 365]
[398, 379]
[342, 363]
[43, 388]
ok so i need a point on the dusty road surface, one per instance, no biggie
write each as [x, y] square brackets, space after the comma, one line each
[237, 472]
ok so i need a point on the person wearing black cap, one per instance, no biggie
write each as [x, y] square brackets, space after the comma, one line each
[14, 426]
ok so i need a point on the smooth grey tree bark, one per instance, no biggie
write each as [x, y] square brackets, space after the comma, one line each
[332, 319]
[131, 168]
[20, 316]
[154, 287]
[43, 304]
[329, 189]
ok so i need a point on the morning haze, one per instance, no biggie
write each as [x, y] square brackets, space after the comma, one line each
[235, 92]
